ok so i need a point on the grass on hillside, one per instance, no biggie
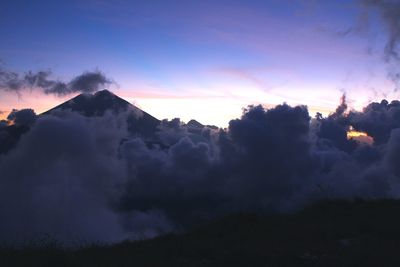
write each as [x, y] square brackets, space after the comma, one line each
[330, 233]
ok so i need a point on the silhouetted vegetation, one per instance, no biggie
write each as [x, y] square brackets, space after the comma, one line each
[330, 233]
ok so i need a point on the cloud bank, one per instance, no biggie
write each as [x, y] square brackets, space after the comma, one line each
[87, 179]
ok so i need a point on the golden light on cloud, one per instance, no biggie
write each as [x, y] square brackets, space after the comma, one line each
[362, 137]
[352, 134]
[3, 115]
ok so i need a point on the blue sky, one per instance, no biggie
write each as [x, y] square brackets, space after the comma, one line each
[201, 59]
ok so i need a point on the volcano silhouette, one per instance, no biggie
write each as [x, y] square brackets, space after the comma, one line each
[139, 122]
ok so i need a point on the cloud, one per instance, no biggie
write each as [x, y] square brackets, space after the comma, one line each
[389, 12]
[77, 177]
[87, 82]
[267, 155]
[22, 117]
[377, 119]
[59, 179]
[332, 131]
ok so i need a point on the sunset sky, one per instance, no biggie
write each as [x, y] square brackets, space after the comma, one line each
[202, 59]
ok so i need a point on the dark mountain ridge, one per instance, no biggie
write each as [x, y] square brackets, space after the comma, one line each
[97, 104]
[139, 121]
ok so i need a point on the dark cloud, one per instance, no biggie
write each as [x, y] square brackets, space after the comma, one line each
[267, 157]
[3, 124]
[77, 177]
[389, 11]
[377, 119]
[332, 131]
[10, 80]
[87, 82]
[22, 117]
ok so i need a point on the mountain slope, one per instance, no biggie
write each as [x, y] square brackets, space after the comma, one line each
[139, 122]
[332, 233]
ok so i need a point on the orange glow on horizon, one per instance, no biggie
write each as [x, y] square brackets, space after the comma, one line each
[3, 115]
[213, 107]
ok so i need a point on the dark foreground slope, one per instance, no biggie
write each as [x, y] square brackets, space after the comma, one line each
[360, 233]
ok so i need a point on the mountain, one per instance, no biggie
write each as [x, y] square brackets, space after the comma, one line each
[139, 122]
[194, 124]
[94, 105]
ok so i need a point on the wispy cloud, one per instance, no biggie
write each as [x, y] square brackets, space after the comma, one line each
[87, 82]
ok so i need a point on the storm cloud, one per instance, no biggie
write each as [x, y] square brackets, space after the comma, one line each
[88, 178]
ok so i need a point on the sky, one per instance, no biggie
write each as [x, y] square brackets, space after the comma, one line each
[110, 176]
[205, 60]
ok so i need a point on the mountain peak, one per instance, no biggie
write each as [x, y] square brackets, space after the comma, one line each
[91, 105]
[195, 124]
[94, 104]
[104, 92]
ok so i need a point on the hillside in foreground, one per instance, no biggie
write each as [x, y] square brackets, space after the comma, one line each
[331, 233]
